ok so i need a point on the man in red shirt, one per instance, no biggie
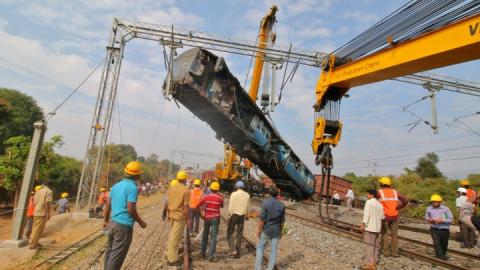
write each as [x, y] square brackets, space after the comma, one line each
[211, 205]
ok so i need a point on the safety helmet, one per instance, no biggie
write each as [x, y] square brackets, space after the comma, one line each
[182, 175]
[133, 168]
[64, 195]
[173, 182]
[385, 181]
[103, 189]
[462, 190]
[215, 186]
[240, 184]
[197, 182]
[464, 182]
[436, 198]
[37, 188]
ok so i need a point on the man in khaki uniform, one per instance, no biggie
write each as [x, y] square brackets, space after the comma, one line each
[41, 214]
[178, 197]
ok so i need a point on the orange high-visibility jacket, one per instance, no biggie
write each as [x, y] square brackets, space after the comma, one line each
[471, 194]
[195, 197]
[31, 207]
[389, 200]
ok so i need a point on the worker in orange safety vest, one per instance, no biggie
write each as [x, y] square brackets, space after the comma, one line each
[392, 201]
[471, 193]
[195, 197]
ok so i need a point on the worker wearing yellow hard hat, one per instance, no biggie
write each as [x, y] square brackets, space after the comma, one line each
[173, 182]
[37, 188]
[196, 195]
[121, 206]
[210, 206]
[176, 209]
[439, 217]
[62, 204]
[392, 201]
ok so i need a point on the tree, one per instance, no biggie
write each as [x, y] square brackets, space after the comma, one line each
[18, 112]
[427, 166]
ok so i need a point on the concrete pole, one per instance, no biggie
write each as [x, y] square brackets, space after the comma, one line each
[27, 185]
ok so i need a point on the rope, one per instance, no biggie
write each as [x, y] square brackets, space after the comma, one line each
[52, 113]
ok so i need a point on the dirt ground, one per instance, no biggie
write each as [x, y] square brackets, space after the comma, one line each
[64, 230]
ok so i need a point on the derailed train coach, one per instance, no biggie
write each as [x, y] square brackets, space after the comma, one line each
[202, 82]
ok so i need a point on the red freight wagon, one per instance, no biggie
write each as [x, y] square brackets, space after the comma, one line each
[208, 175]
[338, 184]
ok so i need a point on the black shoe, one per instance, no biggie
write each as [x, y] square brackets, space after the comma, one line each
[202, 257]
[445, 258]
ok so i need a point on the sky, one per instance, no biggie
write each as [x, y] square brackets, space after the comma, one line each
[48, 47]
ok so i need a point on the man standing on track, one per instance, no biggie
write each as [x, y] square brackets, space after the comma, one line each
[349, 196]
[211, 205]
[372, 226]
[238, 209]
[177, 208]
[121, 204]
[439, 216]
[195, 196]
[270, 227]
[41, 214]
[392, 201]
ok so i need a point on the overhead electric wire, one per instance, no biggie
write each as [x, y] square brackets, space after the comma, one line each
[54, 111]
[410, 21]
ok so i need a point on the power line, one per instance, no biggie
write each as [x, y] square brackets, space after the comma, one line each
[54, 111]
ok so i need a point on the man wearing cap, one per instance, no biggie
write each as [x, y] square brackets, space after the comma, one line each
[62, 204]
[392, 201]
[471, 193]
[238, 210]
[121, 204]
[177, 212]
[371, 227]
[211, 205]
[439, 217]
[195, 196]
[465, 231]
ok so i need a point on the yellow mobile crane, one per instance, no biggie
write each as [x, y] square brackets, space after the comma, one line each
[447, 44]
[419, 36]
[233, 167]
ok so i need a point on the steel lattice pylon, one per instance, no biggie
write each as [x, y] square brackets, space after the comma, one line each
[101, 121]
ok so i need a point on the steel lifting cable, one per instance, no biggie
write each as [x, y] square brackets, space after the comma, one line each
[157, 126]
[54, 111]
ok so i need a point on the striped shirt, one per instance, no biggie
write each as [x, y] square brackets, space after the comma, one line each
[212, 203]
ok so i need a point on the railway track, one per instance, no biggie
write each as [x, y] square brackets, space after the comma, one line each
[453, 236]
[410, 248]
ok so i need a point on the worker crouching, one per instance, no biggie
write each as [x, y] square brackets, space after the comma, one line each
[210, 207]
[439, 217]
[177, 212]
[121, 205]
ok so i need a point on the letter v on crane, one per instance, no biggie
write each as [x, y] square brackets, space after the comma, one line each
[473, 28]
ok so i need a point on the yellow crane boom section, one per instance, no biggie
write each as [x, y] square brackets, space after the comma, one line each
[455, 43]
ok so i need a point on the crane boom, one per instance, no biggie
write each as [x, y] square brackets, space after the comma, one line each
[450, 44]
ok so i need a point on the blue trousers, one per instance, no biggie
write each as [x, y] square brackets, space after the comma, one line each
[273, 251]
[210, 230]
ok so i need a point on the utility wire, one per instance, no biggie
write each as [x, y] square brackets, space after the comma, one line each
[158, 126]
[52, 113]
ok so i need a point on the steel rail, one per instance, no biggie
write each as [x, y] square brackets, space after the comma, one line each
[409, 253]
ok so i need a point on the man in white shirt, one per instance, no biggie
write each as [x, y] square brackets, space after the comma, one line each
[349, 196]
[464, 230]
[336, 198]
[371, 226]
[238, 209]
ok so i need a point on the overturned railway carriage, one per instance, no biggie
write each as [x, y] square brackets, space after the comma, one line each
[203, 84]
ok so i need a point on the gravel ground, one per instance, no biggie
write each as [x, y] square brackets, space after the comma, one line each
[303, 248]
[355, 217]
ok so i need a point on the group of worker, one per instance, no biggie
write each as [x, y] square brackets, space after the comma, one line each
[38, 212]
[183, 208]
[380, 221]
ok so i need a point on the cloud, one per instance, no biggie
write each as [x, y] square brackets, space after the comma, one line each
[361, 16]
